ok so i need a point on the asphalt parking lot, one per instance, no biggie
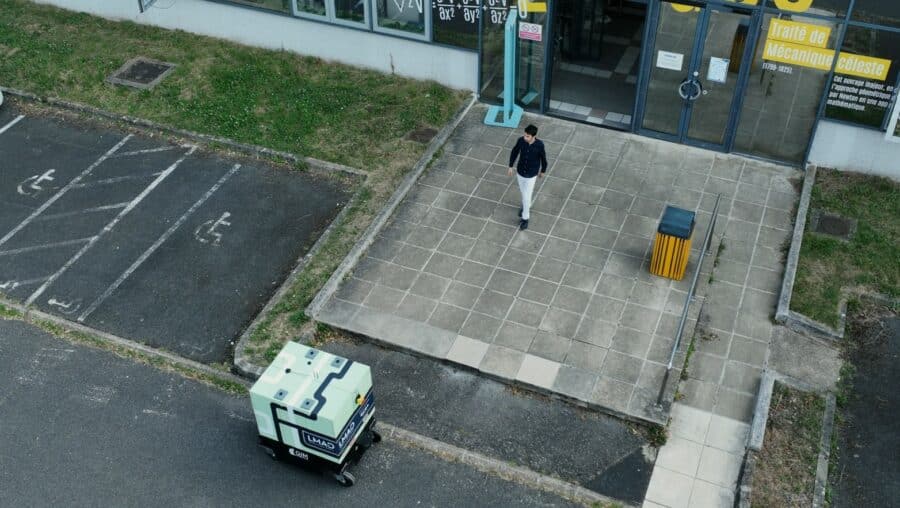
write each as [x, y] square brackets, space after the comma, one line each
[136, 236]
[123, 434]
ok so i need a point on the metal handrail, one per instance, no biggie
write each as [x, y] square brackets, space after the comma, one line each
[707, 243]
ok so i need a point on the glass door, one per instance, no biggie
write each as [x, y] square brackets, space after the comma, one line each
[531, 40]
[718, 73]
[666, 99]
[699, 64]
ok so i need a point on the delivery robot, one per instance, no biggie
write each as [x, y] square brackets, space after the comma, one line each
[315, 409]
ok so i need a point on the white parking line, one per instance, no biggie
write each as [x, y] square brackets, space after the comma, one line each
[149, 150]
[103, 208]
[10, 124]
[134, 266]
[13, 284]
[32, 248]
[117, 179]
[106, 229]
[64, 190]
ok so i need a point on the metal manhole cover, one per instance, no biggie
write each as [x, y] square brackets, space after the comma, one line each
[140, 72]
[422, 135]
[832, 225]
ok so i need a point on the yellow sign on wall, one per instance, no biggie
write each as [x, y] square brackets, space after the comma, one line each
[806, 34]
[863, 66]
[820, 58]
[797, 54]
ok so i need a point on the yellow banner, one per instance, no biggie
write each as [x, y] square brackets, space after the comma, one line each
[863, 66]
[785, 5]
[796, 54]
[806, 34]
[537, 6]
[819, 58]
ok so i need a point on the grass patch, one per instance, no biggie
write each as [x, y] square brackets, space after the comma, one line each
[271, 98]
[9, 313]
[657, 435]
[162, 363]
[867, 263]
[785, 474]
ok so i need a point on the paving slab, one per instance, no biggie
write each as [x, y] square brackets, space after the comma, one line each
[569, 301]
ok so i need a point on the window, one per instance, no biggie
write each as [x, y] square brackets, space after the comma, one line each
[877, 12]
[351, 11]
[313, 7]
[893, 132]
[492, 48]
[272, 5]
[407, 16]
[783, 94]
[819, 7]
[455, 22]
[864, 80]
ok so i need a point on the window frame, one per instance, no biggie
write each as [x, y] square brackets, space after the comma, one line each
[329, 11]
[424, 36]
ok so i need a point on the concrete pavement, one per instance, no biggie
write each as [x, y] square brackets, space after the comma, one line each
[568, 306]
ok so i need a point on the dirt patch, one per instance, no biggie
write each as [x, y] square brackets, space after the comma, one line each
[786, 470]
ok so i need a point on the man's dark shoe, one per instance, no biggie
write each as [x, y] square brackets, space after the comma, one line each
[520, 212]
[523, 224]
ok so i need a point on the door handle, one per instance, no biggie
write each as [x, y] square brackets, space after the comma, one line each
[698, 90]
[690, 89]
[683, 89]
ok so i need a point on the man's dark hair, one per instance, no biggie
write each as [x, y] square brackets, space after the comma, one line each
[531, 130]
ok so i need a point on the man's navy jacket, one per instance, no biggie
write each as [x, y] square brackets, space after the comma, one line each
[533, 158]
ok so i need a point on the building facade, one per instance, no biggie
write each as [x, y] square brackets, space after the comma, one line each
[792, 81]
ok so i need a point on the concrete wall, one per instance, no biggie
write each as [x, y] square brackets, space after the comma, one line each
[419, 60]
[843, 146]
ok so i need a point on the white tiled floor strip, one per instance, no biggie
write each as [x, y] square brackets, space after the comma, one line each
[698, 466]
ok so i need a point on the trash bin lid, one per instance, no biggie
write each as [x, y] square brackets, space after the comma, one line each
[677, 222]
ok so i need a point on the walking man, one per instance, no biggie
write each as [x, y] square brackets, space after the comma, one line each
[532, 165]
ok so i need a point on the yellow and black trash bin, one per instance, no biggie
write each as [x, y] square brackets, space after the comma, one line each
[672, 246]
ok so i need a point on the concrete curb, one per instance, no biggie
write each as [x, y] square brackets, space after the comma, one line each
[808, 326]
[784, 315]
[315, 307]
[242, 365]
[745, 483]
[254, 150]
[761, 411]
[31, 315]
[485, 464]
[790, 269]
[824, 451]
[755, 439]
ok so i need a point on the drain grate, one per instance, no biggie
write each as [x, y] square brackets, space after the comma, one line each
[422, 135]
[140, 72]
[831, 224]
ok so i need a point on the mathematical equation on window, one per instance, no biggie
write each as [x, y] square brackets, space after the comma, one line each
[463, 15]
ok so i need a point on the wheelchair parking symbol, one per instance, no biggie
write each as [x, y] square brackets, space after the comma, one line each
[210, 231]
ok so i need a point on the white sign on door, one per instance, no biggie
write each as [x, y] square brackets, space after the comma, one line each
[718, 69]
[669, 60]
[530, 31]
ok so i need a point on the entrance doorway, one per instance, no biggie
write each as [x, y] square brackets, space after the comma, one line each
[596, 50]
[697, 68]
